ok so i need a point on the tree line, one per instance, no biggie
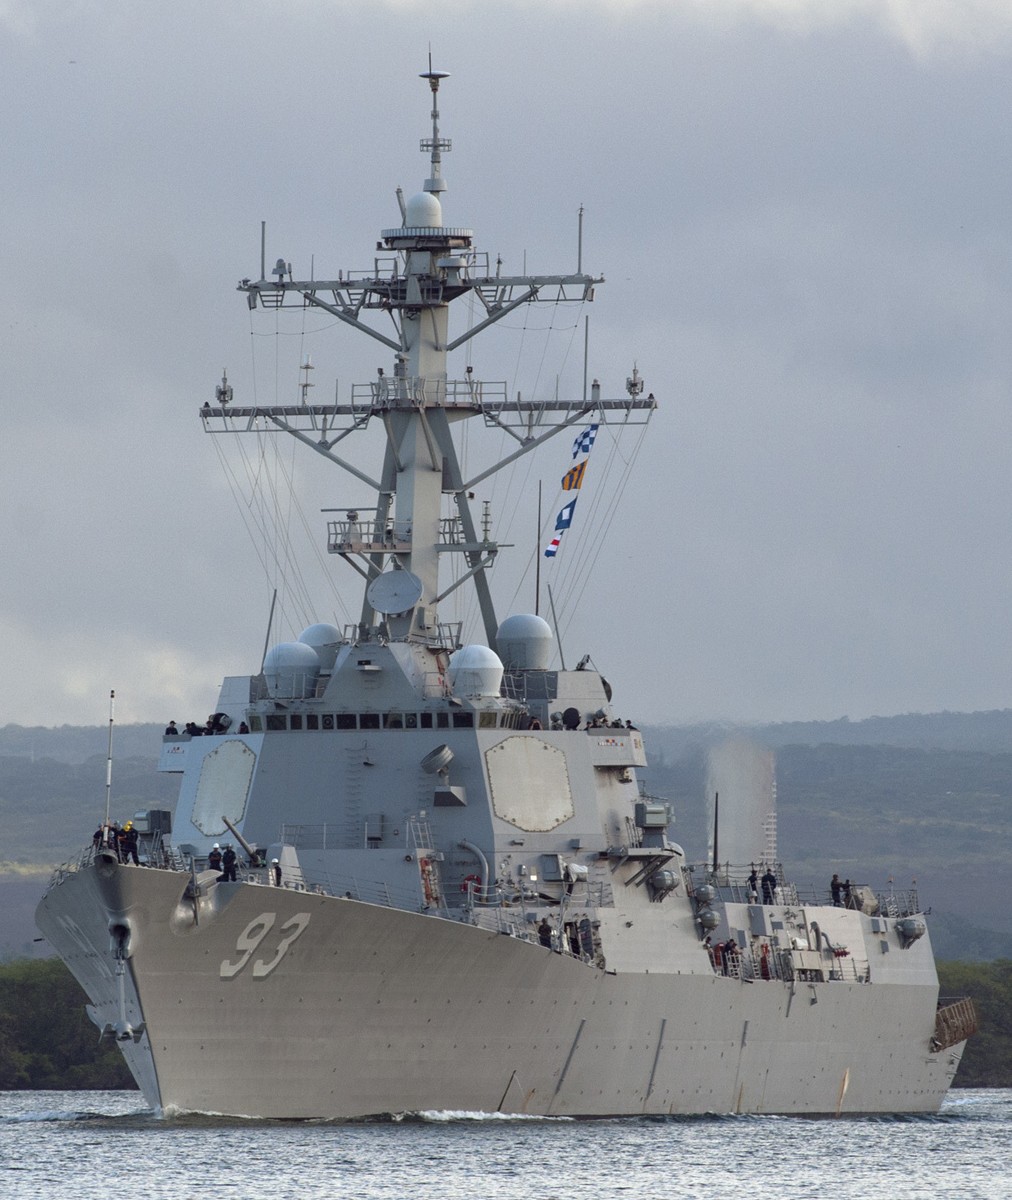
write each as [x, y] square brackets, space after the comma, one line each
[987, 1060]
[47, 1040]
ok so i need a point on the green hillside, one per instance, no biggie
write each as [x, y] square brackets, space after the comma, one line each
[939, 816]
[933, 805]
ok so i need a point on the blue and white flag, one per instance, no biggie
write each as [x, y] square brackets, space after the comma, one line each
[572, 481]
[584, 441]
[565, 517]
[562, 523]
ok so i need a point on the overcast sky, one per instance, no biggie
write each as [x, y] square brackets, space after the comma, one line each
[802, 211]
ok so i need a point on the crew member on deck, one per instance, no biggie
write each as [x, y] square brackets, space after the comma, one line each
[130, 840]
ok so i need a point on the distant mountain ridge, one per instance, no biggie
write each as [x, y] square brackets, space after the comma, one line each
[918, 795]
[77, 743]
[989, 732]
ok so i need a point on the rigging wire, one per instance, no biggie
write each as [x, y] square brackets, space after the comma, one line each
[594, 534]
[269, 506]
[273, 509]
[517, 511]
[509, 489]
[515, 484]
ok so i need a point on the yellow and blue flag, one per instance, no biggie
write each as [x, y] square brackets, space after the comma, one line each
[573, 478]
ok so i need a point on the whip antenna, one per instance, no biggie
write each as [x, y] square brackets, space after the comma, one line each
[108, 761]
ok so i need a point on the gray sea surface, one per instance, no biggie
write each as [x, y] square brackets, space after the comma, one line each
[107, 1144]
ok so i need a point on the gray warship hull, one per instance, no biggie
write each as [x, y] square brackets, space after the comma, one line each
[373, 1010]
[456, 892]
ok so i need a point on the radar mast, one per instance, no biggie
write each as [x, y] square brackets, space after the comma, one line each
[399, 546]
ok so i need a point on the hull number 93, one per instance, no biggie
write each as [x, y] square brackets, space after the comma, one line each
[275, 948]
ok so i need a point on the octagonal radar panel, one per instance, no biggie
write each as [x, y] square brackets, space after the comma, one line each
[394, 592]
[529, 782]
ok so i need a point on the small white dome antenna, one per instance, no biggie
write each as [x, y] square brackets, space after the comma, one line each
[435, 145]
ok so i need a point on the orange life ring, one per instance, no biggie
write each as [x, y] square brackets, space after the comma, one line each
[468, 880]
[428, 887]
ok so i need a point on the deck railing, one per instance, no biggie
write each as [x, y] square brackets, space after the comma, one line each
[732, 883]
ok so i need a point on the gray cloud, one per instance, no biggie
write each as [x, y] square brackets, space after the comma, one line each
[802, 220]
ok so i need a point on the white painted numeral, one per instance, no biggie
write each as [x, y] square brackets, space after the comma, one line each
[296, 925]
[248, 942]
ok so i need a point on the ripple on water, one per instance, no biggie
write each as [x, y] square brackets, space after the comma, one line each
[88, 1145]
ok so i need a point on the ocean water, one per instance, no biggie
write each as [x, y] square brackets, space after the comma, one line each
[106, 1144]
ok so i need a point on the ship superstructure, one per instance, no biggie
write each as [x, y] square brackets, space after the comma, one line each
[455, 891]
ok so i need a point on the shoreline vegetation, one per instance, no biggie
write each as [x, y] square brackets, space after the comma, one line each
[48, 1042]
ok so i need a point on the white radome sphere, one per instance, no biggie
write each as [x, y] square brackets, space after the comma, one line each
[325, 639]
[291, 669]
[475, 671]
[423, 211]
[524, 642]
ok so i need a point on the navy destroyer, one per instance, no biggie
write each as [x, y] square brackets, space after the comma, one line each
[453, 891]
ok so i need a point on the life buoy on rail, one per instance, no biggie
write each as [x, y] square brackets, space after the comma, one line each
[428, 882]
[764, 961]
[470, 880]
